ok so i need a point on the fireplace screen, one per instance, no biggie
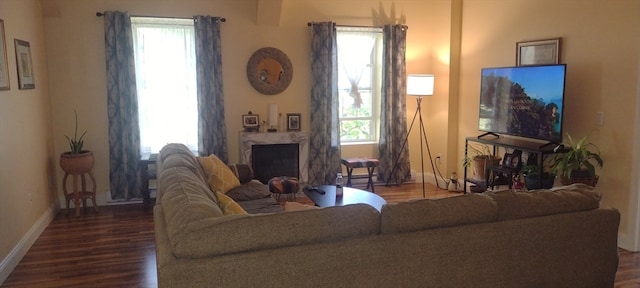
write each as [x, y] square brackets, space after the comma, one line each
[275, 160]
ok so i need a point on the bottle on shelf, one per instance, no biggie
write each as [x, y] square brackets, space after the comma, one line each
[339, 183]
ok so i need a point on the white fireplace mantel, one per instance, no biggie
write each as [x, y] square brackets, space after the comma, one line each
[247, 139]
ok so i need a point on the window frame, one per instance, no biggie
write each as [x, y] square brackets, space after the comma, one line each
[374, 89]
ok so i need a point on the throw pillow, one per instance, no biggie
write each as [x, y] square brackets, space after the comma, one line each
[219, 176]
[228, 206]
[242, 171]
[249, 191]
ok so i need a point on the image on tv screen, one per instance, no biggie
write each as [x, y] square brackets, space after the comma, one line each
[525, 101]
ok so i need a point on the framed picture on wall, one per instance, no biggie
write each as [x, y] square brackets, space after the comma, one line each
[4, 64]
[25, 67]
[538, 52]
[293, 121]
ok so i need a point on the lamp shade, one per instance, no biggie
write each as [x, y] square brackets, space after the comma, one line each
[420, 84]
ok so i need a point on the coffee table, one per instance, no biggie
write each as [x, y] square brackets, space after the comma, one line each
[349, 196]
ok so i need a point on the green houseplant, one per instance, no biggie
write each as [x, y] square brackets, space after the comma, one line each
[76, 160]
[578, 163]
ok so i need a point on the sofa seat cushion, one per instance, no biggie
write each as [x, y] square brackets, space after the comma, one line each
[219, 175]
[240, 233]
[185, 200]
[564, 199]
[425, 214]
[262, 205]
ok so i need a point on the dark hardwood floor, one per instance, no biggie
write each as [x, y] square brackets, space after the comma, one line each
[116, 247]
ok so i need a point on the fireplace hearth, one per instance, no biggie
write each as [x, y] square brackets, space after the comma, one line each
[250, 139]
[274, 160]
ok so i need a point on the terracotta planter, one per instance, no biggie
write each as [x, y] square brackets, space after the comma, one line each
[76, 163]
[480, 164]
[591, 181]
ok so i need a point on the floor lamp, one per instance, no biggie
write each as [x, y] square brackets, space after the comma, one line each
[418, 85]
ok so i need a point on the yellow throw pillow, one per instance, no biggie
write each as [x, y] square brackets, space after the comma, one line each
[219, 176]
[228, 206]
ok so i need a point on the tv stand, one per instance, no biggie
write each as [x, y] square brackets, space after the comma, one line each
[529, 147]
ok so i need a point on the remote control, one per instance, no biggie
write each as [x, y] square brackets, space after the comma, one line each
[311, 188]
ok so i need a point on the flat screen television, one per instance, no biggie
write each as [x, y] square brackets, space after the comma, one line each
[524, 101]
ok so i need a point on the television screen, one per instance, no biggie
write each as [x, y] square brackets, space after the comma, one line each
[525, 101]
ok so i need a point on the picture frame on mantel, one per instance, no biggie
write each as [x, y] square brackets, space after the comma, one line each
[25, 66]
[293, 122]
[251, 122]
[4, 63]
[538, 52]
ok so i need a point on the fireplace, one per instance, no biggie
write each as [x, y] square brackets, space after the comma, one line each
[272, 160]
[250, 139]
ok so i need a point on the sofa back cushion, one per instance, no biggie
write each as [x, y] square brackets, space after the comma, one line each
[239, 233]
[177, 155]
[426, 213]
[564, 199]
[185, 199]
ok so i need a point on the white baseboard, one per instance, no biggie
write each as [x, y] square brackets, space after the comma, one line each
[11, 261]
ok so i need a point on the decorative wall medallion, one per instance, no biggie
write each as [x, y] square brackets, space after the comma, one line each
[269, 71]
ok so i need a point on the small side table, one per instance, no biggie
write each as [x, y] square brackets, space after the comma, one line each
[147, 173]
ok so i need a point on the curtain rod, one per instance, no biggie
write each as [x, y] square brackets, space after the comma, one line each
[221, 19]
[357, 26]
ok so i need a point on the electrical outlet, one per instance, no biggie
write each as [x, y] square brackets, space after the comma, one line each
[599, 119]
[30, 199]
[438, 158]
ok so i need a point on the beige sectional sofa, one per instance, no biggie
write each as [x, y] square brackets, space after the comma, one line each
[551, 238]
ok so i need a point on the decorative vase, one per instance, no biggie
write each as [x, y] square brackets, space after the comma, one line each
[77, 163]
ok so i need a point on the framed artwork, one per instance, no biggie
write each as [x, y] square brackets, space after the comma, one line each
[293, 121]
[4, 64]
[538, 52]
[251, 122]
[511, 160]
[25, 67]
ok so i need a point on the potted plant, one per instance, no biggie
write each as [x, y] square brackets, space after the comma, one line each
[76, 160]
[578, 163]
[532, 176]
[480, 158]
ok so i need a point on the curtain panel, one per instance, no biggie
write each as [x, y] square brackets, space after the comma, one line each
[122, 107]
[324, 150]
[394, 164]
[212, 133]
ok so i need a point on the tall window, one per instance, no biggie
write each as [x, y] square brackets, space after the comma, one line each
[359, 82]
[166, 80]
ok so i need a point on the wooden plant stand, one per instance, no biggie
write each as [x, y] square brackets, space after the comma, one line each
[79, 196]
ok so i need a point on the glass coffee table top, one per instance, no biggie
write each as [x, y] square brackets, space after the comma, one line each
[350, 196]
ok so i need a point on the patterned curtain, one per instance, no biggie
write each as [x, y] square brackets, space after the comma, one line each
[122, 106]
[212, 133]
[393, 116]
[324, 150]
